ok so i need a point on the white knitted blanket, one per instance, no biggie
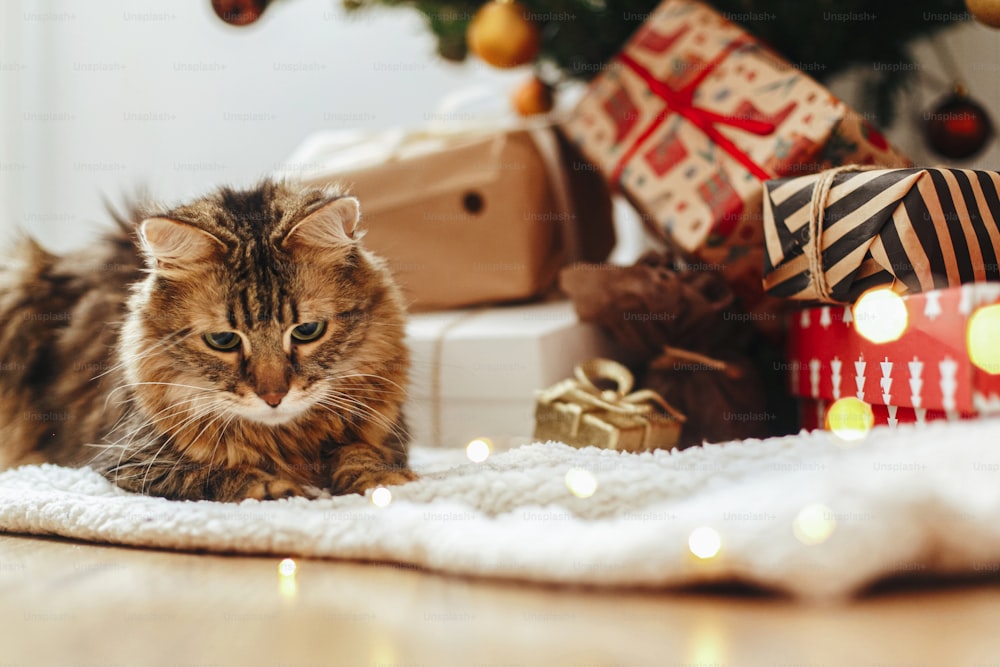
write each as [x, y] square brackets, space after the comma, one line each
[922, 500]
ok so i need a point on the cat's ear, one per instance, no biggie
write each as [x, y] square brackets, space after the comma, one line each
[334, 225]
[170, 244]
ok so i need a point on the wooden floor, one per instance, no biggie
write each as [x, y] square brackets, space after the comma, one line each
[63, 603]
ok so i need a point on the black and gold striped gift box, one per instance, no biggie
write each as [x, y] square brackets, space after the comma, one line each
[914, 229]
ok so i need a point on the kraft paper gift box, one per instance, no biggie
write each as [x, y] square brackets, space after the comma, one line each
[474, 372]
[831, 236]
[944, 364]
[693, 115]
[467, 217]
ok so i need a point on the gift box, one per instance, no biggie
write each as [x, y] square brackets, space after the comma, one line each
[578, 412]
[693, 114]
[467, 217]
[474, 372]
[831, 236]
[940, 362]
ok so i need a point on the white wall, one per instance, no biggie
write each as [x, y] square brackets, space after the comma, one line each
[975, 49]
[103, 96]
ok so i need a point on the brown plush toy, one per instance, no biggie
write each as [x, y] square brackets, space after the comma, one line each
[692, 341]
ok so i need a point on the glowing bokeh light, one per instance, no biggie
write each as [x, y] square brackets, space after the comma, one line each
[381, 497]
[288, 587]
[850, 419]
[478, 450]
[880, 315]
[814, 524]
[287, 567]
[704, 542]
[581, 483]
[707, 642]
[983, 338]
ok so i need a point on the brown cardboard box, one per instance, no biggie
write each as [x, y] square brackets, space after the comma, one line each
[478, 218]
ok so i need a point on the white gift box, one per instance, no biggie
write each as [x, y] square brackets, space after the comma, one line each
[474, 372]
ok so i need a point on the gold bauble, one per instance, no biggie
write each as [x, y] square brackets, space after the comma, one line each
[500, 34]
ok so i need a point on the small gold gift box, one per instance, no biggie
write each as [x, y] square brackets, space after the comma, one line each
[577, 412]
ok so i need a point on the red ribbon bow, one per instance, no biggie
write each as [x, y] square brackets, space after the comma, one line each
[682, 102]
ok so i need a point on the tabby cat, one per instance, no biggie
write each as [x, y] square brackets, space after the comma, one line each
[245, 345]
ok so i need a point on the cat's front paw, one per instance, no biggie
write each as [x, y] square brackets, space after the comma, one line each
[394, 478]
[273, 489]
[359, 479]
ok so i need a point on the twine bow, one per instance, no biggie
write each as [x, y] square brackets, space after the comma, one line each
[814, 241]
[583, 393]
[670, 356]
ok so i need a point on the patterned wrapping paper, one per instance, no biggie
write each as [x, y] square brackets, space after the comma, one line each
[928, 368]
[812, 414]
[693, 114]
[916, 229]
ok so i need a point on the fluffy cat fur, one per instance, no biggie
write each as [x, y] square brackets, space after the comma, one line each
[104, 360]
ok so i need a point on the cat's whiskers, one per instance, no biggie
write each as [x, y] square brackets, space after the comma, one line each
[171, 433]
[125, 442]
[156, 418]
[219, 415]
[218, 438]
[219, 433]
[192, 412]
[129, 385]
[135, 398]
[160, 346]
[334, 400]
[381, 378]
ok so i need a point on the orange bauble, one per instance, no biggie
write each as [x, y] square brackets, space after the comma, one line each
[986, 12]
[500, 34]
[532, 97]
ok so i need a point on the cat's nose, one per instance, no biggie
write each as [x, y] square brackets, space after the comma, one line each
[273, 398]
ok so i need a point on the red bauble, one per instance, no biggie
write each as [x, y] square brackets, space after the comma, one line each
[239, 12]
[958, 127]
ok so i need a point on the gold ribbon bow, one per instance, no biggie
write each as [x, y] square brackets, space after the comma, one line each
[582, 394]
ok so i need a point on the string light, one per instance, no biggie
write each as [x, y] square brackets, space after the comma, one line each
[850, 419]
[381, 497]
[581, 483]
[982, 335]
[707, 642]
[814, 524]
[478, 450]
[704, 542]
[288, 587]
[287, 567]
[880, 315]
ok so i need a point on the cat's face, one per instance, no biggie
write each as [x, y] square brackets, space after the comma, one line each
[265, 310]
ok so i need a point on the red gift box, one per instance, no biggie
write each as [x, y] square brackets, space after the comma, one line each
[927, 369]
[693, 114]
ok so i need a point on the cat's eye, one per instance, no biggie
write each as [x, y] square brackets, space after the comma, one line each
[224, 341]
[308, 331]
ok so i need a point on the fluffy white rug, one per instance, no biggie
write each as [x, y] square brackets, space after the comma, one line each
[912, 500]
